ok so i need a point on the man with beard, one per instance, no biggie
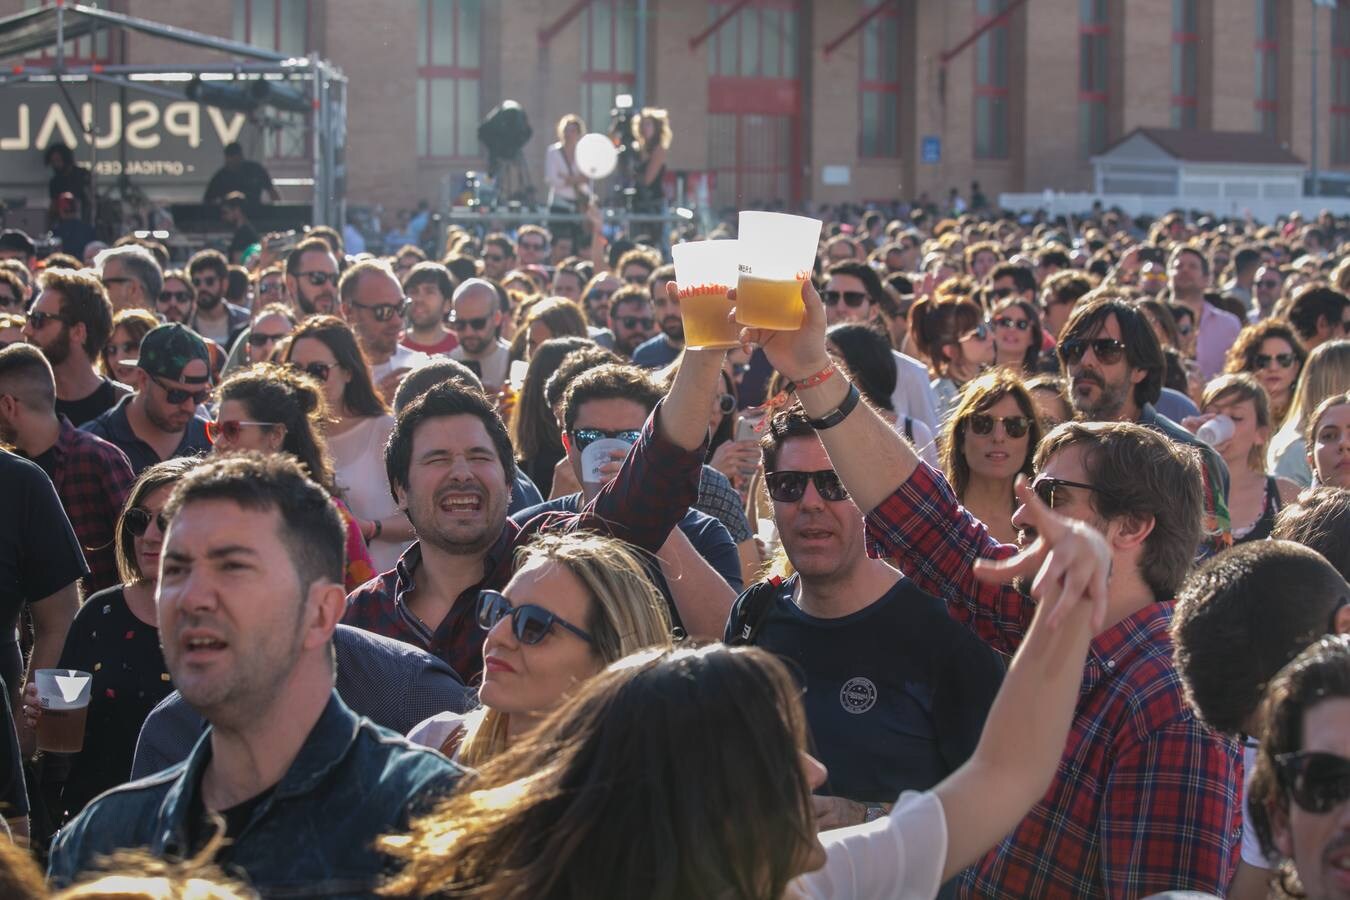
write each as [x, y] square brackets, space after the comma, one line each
[70, 322]
[160, 420]
[630, 319]
[477, 321]
[373, 302]
[665, 347]
[250, 593]
[216, 319]
[312, 278]
[450, 465]
[429, 287]
[499, 256]
[1216, 329]
[1115, 368]
[1145, 797]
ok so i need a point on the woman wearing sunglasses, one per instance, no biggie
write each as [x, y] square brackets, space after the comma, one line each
[115, 638]
[129, 326]
[576, 603]
[990, 440]
[268, 408]
[1271, 352]
[358, 424]
[950, 331]
[1325, 374]
[272, 324]
[1018, 336]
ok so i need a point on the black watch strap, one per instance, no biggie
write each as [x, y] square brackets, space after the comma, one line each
[839, 413]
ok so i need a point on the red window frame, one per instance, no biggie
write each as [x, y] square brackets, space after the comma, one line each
[993, 90]
[1267, 47]
[434, 72]
[591, 74]
[1094, 35]
[885, 91]
[1187, 45]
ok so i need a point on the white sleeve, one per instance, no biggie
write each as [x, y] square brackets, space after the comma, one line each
[554, 167]
[432, 732]
[913, 395]
[900, 857]
[1251, 845]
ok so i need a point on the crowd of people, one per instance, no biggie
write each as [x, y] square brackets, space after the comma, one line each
[1018, 570]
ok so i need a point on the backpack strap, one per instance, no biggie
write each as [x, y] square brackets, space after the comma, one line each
[752, 608]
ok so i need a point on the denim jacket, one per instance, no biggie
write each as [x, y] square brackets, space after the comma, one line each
[351, 782]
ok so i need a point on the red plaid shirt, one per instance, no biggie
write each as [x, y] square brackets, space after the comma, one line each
[1146, 798]
[646, 500]
[92, 477]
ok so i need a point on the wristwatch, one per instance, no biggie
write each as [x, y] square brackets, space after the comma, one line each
[873, 812]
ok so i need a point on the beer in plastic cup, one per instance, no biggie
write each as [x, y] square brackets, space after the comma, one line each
[596, 454]
[63, 695]
[777, 253]
[704, 272]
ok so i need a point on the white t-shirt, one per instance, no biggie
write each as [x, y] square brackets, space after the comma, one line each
[496, 365]
[1251, 844]
[358, 462]
[403, 358]
[913, 394]
[900, 857]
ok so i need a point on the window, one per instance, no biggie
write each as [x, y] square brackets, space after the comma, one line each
[449, 78]
[1094, 35]
[991, 83]
[1267, 67]
[879, 83]
[1340, 84]
[1185, 64]
[608, 42]
[280, 25]
[760, 41]
[87, 49]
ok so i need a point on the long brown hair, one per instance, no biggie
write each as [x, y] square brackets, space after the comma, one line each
[977, 397]
[290, 399]
[150, 480]
[616, 795]
[359, 396]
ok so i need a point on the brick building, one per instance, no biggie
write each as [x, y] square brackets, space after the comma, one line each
[804, 100]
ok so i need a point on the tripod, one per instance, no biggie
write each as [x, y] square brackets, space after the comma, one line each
[513, 179]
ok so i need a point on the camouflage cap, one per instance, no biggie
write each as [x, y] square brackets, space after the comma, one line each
[166, 350]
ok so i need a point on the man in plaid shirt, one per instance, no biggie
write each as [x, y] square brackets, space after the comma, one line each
[92, 477]
[1146, 798]
[450, 465]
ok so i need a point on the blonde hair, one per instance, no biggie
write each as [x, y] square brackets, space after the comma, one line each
[1326, 372]
[570, 119]
[628, 614]
[1234, 388]
[136, 875]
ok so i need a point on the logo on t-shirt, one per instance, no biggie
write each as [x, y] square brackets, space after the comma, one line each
[858, 695]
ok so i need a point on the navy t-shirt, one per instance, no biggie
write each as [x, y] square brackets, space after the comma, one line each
[896, 694]
[655, 352]
[708, 536]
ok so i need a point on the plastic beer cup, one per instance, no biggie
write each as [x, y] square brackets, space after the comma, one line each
[64, 697]
[777, 252]
[596, 454]
[704, 272]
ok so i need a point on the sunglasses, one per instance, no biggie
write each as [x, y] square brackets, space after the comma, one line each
[632, 322]
[138, 521]
[230, 429]
[176, 396]
[1317, 782]
[40, 319]
[979, 333]
[533, 247]
[1000, 293]
[852, 299]
[470, 324]
[635, 279]
[1044, 486]
[175, 297]
[317, 369]
[726, 404]
[319, 279]
[529, 623]
[259, 339]
[788, 487]
[125, 350]
[270, 287]
[1019, 324]
[1107, 350]
[383, 312]
[204, 281]
[107, 282]
[1285, 360]
[493, 258]
[1015, 426]
[584, 437]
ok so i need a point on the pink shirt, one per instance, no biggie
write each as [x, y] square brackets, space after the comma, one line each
[1217, 332]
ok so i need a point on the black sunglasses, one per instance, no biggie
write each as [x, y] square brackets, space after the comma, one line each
[852, 299]
[584, 437]
[1317, 782]
[138, 521]
[1007, 322]
[39, 319]
[1000, 293]
[319, 279]
[1107, 350]
[204, 280]
[383, 312]
[470, 324]
[1015, 426]
[529, 623]
[1263, 360]
[175, 297]
[260, 339]
[788, 486]
[631, 322]
[1045, 486]
[317, 369]
[176, 396]
[979, 333]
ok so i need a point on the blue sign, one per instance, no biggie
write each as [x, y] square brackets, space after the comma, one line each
[932, 150]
